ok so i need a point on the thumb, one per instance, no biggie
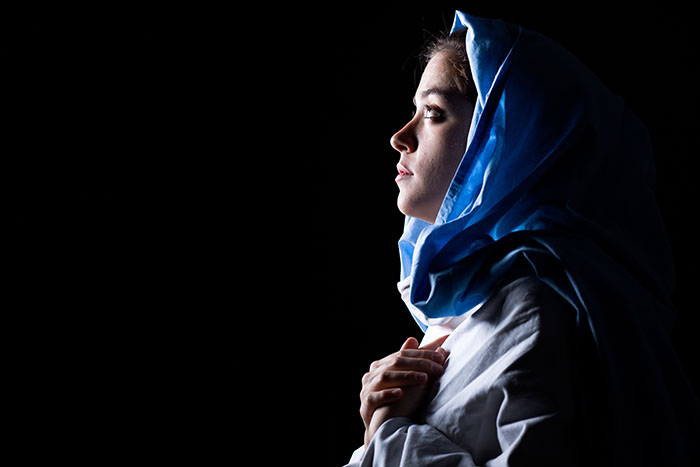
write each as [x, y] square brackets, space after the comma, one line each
[436, 343]
[411, 343]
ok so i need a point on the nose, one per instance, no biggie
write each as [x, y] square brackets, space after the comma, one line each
[405, 139]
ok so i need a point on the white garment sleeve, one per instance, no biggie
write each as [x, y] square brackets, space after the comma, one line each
[506, 396]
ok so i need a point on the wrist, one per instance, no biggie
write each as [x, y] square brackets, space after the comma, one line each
[379, 416]
[390, 421]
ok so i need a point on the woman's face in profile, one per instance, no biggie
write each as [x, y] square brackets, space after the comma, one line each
[433, 142]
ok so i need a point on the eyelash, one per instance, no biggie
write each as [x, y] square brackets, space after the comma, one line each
[427, 109]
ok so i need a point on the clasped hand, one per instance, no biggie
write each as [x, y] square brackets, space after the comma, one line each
[397, 385]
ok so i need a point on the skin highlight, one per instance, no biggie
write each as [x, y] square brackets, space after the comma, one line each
[432, 143]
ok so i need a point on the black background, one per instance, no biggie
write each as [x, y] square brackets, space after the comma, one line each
[647, 53]
[116, 172]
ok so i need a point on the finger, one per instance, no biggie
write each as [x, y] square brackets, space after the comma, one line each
[428, 365]
[379, 398]
[433, 355]
[388, 360]
[411, 343]
[410, 349]
[433, 345]
[415, 360]
[373, 400]
[403, 372]
[394, 379]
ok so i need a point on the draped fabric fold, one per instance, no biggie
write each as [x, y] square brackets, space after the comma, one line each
[558, 172]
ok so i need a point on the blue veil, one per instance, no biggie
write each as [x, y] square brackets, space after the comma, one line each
[559, 173]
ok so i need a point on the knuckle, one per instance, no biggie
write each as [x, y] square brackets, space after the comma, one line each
[365, 400]
[385, 377]
[372, 398]
[375, 364]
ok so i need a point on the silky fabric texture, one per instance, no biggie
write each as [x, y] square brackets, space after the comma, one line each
[558, 172]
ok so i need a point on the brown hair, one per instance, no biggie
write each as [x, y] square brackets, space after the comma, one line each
[455, 49]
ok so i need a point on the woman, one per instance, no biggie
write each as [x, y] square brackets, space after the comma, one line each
[535, 260]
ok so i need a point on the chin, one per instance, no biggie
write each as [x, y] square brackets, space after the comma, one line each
[408, 208]
[404, 206]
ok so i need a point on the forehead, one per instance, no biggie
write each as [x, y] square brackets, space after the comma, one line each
[437, 75]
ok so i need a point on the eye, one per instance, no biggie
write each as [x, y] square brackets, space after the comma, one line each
[431, 113]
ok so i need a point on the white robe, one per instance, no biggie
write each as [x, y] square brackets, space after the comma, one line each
[506, 396]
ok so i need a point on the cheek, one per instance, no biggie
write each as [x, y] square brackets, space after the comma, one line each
[431, 173]
[440, 165]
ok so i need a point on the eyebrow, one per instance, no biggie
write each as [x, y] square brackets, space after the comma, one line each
[441, 92]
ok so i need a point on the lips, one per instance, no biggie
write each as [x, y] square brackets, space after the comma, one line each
[404, 173]
[403, 170]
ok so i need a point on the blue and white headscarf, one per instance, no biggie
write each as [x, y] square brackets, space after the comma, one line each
[557, 172]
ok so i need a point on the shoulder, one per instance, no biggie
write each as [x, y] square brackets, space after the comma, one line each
[530, 292]
[528, 301]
